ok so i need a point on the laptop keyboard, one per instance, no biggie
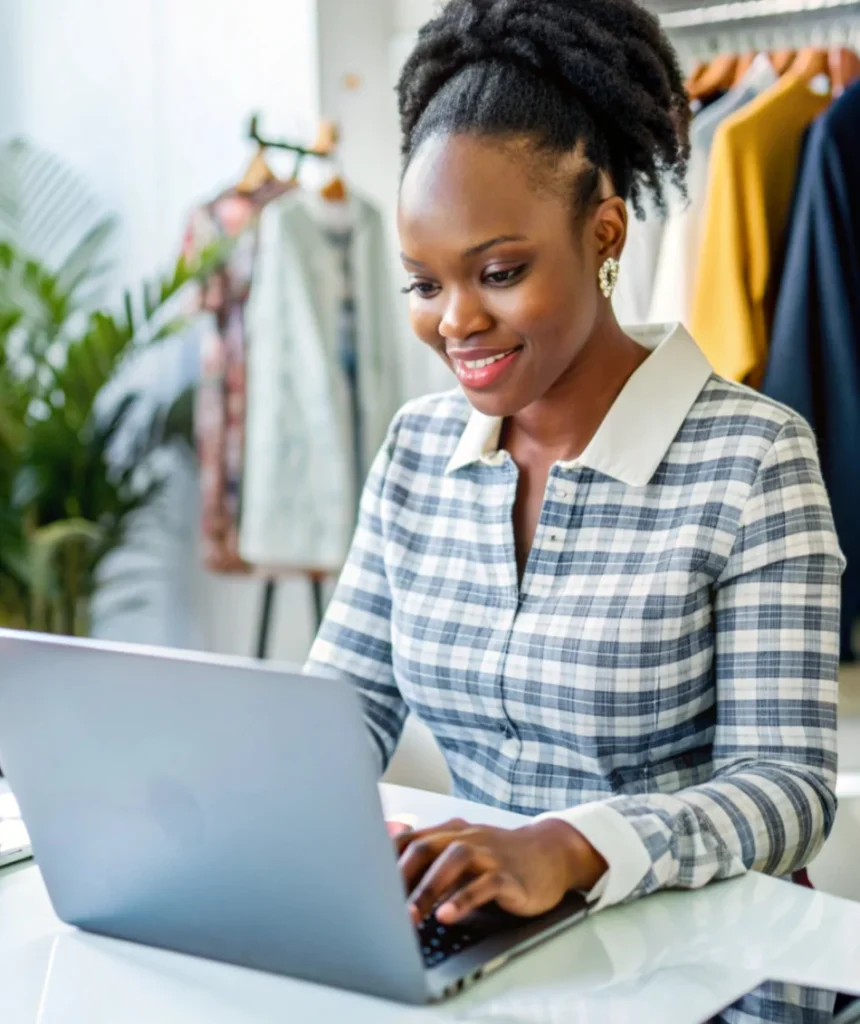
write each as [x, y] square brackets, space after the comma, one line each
[440, 941]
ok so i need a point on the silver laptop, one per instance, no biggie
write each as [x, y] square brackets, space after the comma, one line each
[14, 840]
[229, 810]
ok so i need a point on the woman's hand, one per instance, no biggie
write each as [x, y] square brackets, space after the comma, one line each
[457, 867]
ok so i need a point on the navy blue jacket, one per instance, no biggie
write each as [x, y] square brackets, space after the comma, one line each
[814, 361]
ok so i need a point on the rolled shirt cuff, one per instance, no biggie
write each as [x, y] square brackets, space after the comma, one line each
[617, 841]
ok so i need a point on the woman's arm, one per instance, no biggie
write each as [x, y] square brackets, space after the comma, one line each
[771, 803]
[354, 641]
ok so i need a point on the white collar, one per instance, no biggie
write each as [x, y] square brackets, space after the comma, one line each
[642, 423]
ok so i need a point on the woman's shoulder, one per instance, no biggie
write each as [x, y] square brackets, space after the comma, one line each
[432, 424]
[734, 418]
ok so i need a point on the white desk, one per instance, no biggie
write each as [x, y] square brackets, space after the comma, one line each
[676, 958]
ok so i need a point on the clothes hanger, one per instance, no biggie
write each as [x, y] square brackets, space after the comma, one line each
[718, 77]
[743, 65]
[257, 174]
[844, 67]
[325, 145]
[811, 62]
[782, 60]
[699, 68]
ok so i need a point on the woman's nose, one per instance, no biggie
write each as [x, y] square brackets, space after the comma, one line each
[465, 316]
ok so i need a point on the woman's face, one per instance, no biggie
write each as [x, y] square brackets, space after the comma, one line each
[503, 282]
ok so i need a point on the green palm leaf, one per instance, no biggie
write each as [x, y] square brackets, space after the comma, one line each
[45, 209]
[66, 498]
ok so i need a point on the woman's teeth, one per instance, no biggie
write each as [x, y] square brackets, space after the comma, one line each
[479, 364]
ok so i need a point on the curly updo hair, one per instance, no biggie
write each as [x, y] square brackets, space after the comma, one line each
[594, 76]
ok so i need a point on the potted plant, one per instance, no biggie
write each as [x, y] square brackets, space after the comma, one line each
[67, 494]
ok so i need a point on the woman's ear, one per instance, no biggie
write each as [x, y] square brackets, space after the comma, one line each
[610, 228]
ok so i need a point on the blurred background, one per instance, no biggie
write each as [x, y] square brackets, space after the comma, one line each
[201, 333]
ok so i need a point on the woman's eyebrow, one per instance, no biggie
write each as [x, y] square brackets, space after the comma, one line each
[475, 250]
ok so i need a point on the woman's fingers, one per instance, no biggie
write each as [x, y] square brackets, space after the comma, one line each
[404, 839]
[475, 894]
[420, 855]
[450, 870]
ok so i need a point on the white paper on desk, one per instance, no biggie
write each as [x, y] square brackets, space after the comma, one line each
[8, 806]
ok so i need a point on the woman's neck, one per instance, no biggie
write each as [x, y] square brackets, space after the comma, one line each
[561, 424]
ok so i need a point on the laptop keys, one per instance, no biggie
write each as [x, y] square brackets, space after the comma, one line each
[438, 941]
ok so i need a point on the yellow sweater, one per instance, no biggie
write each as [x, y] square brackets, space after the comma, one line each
[752, 172]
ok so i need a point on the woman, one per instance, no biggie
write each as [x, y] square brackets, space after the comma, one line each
[607, 580]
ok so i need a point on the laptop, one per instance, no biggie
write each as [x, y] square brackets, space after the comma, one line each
[14, 839]
[226, 809]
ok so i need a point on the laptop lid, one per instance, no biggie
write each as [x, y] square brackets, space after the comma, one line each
[222, 808]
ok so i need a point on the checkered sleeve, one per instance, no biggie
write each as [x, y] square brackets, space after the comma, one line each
[354, 641]
[770, 803]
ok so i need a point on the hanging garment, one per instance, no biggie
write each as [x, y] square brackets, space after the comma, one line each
[324, 380]
[750, 183]
[347, 351]
[814, 364]
[632, 297]
[220, 409]
[675, 277]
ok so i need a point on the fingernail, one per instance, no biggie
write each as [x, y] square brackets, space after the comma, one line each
[446, 912]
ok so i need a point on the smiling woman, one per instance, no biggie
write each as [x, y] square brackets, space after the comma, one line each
[606, 579]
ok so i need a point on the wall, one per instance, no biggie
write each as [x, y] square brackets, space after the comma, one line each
[148, 99]
[9, 74]
[149, 103]
[410, 15]
[366, 42]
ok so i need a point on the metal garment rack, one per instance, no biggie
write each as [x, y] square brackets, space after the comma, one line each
[701, 32]
[268, 606]
[752, 10]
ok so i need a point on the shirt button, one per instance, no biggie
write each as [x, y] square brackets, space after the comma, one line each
[562, 492]
[507, 732]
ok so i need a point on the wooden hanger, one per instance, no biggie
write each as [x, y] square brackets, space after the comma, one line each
[717, 78]
[326, 145]
[810, 63]
[743, 65]
[844, 69]
[334, 191]
[782, 60]
[326, 140]
[257, 175]
[699, 68]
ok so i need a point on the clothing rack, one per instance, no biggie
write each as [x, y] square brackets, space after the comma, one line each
[752, 10]
[268, 607]
[323, 149]
[765, 25]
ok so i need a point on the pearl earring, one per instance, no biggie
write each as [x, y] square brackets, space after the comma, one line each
[608, 276]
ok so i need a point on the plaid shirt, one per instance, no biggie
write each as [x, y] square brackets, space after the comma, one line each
[664, 676]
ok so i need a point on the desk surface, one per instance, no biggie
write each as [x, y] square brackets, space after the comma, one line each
[675, 958]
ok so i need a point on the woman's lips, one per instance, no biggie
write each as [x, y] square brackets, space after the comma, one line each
[482, 369]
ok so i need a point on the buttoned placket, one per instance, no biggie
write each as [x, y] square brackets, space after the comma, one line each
[541, 575]
[548, 544]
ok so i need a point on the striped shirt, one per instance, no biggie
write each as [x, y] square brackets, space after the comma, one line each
[664, 675]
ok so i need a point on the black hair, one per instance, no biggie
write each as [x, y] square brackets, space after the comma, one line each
[599, 76]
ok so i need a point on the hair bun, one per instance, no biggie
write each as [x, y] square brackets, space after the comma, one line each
[477, 31]
[609, 58]
[487, 30]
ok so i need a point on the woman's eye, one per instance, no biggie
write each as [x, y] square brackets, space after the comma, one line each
[426, 289]
[507, 276]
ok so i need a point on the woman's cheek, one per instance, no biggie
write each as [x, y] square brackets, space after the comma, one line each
[425, 325]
